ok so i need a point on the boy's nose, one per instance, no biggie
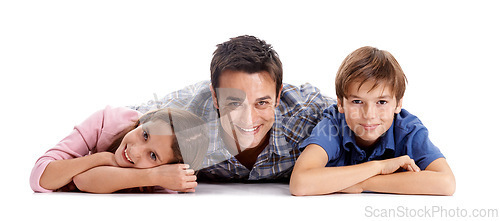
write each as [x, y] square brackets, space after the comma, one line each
[369, 112]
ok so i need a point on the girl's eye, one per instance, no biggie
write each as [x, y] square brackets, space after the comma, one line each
[357, 102]
[145, 135]
[153, 156]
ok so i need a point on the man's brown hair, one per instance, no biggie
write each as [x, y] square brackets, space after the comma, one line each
[369, 63]
[248, 54]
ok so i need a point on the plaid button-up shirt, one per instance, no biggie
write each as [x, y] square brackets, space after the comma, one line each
[299, 110]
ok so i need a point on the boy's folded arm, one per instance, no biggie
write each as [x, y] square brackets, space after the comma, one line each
[311, 177]
[436, 179]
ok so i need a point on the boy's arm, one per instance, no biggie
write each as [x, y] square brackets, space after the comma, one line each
[311, 177]
[436, 179]
[108, 179]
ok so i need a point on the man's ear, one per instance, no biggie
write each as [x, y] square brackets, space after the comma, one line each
[339, 105]
[399, 106]
[214, 97]
[278, 96]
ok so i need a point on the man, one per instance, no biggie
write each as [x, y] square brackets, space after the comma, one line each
[256, 122]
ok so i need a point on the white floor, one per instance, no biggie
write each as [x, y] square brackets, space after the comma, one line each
[237, 201]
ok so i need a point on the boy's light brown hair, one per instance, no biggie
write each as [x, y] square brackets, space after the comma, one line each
[369, 63]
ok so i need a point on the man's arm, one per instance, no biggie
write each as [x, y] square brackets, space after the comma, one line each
[436, 179]
[108, 179]
[311, 177]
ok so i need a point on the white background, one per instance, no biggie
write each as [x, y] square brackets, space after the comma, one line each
[62, 60]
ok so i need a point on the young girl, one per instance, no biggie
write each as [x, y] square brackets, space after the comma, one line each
[116, 149]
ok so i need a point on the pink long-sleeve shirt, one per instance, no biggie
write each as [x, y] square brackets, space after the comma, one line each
[93, 135]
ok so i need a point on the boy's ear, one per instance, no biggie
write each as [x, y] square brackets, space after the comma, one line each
[214, 97]
[339, 105]
[399, 106]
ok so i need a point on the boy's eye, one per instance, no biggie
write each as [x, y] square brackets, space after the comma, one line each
[145, 135]
[153, 156]
[357, 102]
[382, 102]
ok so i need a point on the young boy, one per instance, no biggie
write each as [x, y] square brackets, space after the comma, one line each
[367, 142]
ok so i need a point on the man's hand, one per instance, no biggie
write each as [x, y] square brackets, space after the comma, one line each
[392, 165]
[177, 177]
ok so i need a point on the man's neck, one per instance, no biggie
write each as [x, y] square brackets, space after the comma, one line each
[247, 157]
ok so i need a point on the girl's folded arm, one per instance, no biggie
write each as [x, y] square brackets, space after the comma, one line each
[58, 173]
[108, 179]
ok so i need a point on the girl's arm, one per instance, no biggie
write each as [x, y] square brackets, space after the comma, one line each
[70, 156]
[108, 179]
[311, 177]
[58, 173]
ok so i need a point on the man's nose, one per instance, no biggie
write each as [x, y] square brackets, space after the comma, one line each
[248, 115]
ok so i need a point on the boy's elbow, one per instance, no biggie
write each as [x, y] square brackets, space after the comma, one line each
[299, 186]
[448, 185]
[298, 190]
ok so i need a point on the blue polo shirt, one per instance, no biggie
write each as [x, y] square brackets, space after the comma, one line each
[406, 136]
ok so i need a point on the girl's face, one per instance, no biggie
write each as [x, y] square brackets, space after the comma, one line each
[142, 149]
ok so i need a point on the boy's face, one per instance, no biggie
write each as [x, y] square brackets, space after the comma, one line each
[369, 112]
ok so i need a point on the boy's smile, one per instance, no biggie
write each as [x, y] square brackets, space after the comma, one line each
[369, 110]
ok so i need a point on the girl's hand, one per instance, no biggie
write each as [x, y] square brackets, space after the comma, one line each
[107, 158]
[392, 165]
[177, 177]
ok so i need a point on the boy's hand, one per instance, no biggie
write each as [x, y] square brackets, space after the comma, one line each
[177, 177]
[392, 165]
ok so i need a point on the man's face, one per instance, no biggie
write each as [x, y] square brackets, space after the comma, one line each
[246, 104]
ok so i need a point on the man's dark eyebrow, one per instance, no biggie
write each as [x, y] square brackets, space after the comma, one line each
[263, 98]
